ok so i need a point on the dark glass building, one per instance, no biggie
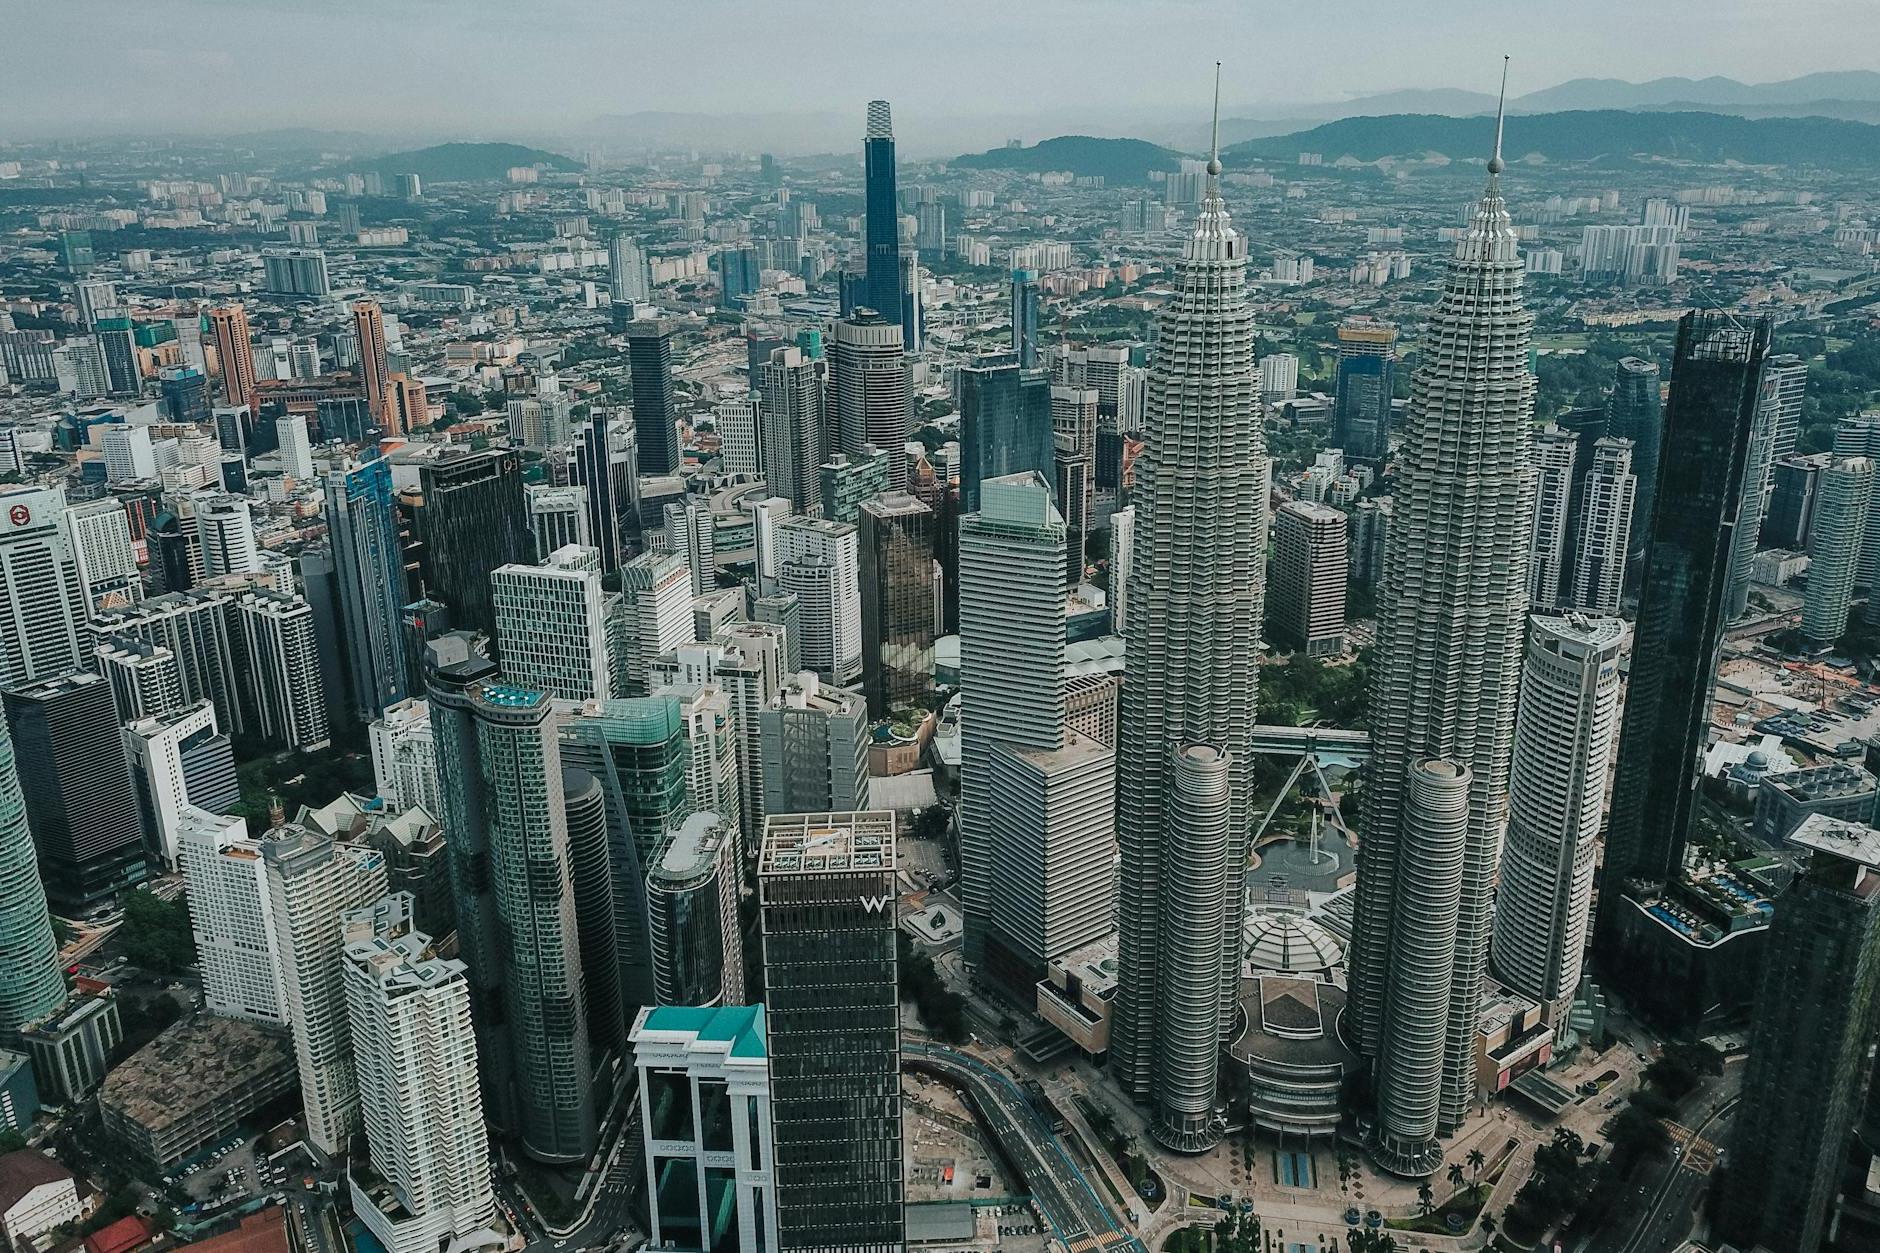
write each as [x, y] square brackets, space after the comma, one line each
[692, 914]
[1809, 1040]
[1715, 381]
[826, 892]
[185, 394]
[881, 280]
[649, 358]
[897, 577]
[1005, 423]
[1366, 379]
[472, 522]
[368, 566]
[80, 802]
[1633, 412]
[1025, 318]
[604, 465]
[590, 865]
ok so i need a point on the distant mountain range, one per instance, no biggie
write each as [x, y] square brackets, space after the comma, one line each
[1614, 135]
[468, 163]
[1118, 162]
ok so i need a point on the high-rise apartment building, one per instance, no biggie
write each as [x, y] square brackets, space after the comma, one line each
[794, 426]
[1365, 381]
[368, 324]
[1551, 547]
[1757, 480]
[228, 325]
[826, 898]
[1443, 696]
[655, 422]
[692, 913]
[1708, 421]
[414, 1050]
[80, 801]
[550, 625]
[656, 590]
[1811, 1041]
[899, 600]
[628, 279]
[818, 562]
[1195, 604]
[691, 536]
[1565, 731]
[32, 985]
[1605, 520]
[1306, 580]
[280, 669]
[42, 601]
[868, 391]
[312, 882]
[145, 679]
[368, 565]
[231, 914]
[225, 532]
[500, 775]
[295, 272]
[1846, 497]
[1005, 423]
[178, 758]
[472, 522]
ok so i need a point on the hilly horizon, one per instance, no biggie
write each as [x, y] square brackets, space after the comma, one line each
[469, 162]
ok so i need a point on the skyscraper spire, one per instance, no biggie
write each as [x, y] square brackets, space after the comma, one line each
[1495, 164]
[1196, 592]
[1214, 147]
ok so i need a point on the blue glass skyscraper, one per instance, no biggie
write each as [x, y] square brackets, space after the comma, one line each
[362, 522]
[1025, 317]
[1005, 423]
[881, 281]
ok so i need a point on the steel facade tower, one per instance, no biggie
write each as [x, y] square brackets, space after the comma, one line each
[1196, 596]
[1451, 608]
[881, 280]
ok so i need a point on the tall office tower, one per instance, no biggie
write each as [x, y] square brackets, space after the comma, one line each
[750, 669]
[313, 881]
[1074, 452]
[813, 746]
[558, 517]
[178, 758]
[1306, 581]
[913, 314]
[550, 627]
[628, 280]
[145, 678]
[1756, 485]
[1605, 528]
[117, 344]
[591, 873]
[471, 523]
[844, 482]
[304, 356]
[229, 325]
[605, 467]
[185, 394]
[499, 768]
[415, 1054]
[1708, 421]
[1810, 1041]
[868, 390]
[1443, 695]
[690, 537]
[231, 916]
[826, 903]
[692, 913]
[1005, 423]
[362, 529]
[1552, 542]
[406, 405]
[881, 283]
[79, 797]
[1122, 551]
[31, 983]
[1565, 732]
[225, 530]
[740, 434]
[279, 660]
[657, 588]
[739, 275]
[1840, 525]
[794, 435]
[1195, 606]
[1794, 483]
[42, 601]
[1787, 377]
[1025, 318]
[368, 324]
[1012, 638]
[818, 562]
[655, 429]
[1634, 411]
[897, 583]
[107, 564]
[1367, 371]
[705, 1118]
[766, 516]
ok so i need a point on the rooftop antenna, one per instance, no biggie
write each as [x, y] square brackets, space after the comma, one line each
[1214, 149]
[1495, 164]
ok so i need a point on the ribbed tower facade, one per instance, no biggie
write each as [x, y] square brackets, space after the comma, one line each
[1841, 519]
[1196, 593]
[1450, 611]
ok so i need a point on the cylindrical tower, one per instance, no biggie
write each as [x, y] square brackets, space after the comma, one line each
[588, 866]
[1841, 510]
[31, 986]
[1416, 1015]
[691, 907]
[1197, 883]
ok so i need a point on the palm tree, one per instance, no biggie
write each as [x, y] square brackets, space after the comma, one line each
[1426, 1199]
[1455, 1176]
[1476, 1159]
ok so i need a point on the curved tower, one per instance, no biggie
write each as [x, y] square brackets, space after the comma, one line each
[1196, 587]
[1450, 612]
[31, 986]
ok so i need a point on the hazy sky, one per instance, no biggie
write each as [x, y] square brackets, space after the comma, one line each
[493, 68]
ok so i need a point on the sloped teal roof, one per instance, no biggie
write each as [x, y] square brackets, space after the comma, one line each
[740, 1025]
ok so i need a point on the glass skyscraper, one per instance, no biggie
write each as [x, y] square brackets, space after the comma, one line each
[881, 280]
[31, 986]
[1005, 423]
[649, 359]
[472, 521]
[362, 523]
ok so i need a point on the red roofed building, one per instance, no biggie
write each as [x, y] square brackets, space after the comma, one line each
[123, 1236]
[263, 1232]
